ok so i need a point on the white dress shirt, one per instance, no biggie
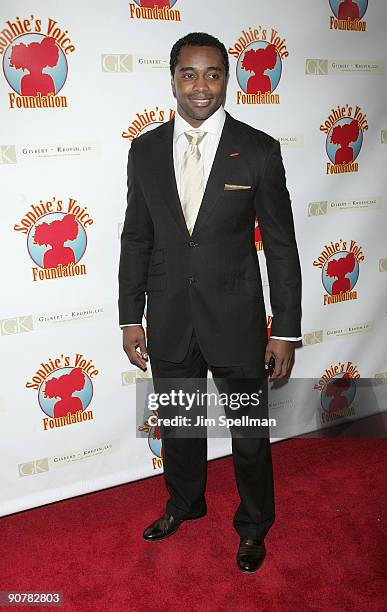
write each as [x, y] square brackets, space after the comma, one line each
[213, 127]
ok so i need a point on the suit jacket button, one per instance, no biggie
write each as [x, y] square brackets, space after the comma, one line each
[191, 279]
[192, 243]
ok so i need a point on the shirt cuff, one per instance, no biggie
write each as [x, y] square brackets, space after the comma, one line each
[129, 324]
[286, 338]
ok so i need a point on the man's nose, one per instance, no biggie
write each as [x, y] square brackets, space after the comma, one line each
[201, 84]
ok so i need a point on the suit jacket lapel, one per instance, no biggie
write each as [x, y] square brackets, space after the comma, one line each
[167, 178]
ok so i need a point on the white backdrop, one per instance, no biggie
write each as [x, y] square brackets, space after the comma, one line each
[64, 151]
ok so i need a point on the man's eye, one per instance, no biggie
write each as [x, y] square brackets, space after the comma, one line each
[214, 75]
[187, 75]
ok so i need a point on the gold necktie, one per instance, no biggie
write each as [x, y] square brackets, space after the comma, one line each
[192, 178]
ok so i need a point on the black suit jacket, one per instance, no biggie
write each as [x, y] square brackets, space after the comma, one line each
[210, 280]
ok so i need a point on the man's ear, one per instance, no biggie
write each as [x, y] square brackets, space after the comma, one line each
[173, 87]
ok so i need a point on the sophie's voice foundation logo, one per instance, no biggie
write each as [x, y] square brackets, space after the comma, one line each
[260, 53]
[56, 237]
[340, 264]
[64, 390]
[344, 130]
[35, 62]
[338, 390]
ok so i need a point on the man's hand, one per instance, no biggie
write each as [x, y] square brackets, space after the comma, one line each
[133, 338]
[283, 353]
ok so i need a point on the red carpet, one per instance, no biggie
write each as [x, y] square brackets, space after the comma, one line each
[323, 553]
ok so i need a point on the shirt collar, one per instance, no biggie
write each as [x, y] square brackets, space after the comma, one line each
[213, 124]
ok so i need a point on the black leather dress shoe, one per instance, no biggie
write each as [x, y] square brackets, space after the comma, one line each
[162, 528]
[251, 554]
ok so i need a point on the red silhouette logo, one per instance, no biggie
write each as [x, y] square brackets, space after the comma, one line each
[258, 61]
[339, 268]
[343, 136]
[335, 390]
[63, 387]
[34, 57]
[349, 10]
[56, 234]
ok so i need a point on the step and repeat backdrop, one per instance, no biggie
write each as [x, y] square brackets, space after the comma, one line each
[80, 81]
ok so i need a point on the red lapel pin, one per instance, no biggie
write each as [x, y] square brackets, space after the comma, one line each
[234, 154]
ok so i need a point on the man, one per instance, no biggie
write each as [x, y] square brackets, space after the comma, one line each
[188, 242]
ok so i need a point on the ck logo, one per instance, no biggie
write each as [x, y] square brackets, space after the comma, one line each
[16, 325]
[313, 338]
[117, 62]
[317, 208]
[316, 66]
[7, 154]
[33, 467]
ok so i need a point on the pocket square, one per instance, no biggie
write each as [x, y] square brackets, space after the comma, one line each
[228, 187]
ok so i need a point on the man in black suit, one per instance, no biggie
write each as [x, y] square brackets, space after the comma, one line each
[195, 185]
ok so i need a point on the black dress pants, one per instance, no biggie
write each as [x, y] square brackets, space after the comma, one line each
[185, 459]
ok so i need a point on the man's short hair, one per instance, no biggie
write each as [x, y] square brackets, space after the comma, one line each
[197, 39]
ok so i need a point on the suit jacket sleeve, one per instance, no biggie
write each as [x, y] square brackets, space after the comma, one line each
[136, 249]
[273, 208]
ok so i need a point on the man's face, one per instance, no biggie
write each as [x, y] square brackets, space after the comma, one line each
[199, 83]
